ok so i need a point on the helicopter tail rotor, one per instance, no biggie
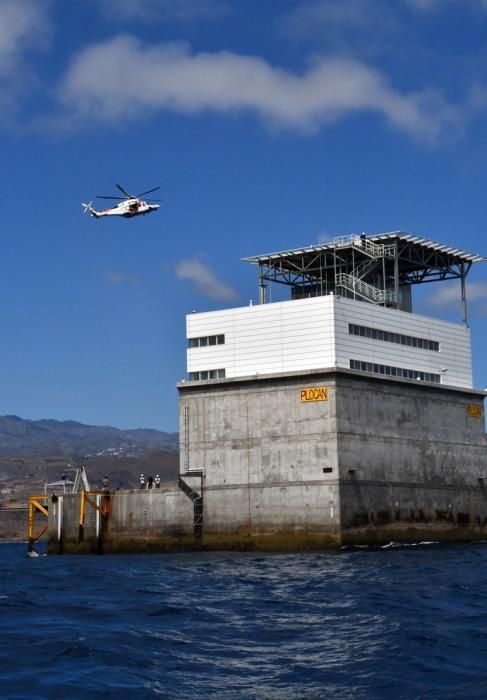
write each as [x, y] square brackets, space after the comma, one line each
[89, 209]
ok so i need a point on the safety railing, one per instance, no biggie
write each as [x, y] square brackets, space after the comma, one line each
[376, 250]
[365, 290]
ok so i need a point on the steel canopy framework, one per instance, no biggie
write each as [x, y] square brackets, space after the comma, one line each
[379, 268]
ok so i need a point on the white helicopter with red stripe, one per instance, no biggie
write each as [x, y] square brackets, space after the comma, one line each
[130, 206]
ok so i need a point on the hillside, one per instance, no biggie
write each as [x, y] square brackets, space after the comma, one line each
[19, 436]
[33, 453]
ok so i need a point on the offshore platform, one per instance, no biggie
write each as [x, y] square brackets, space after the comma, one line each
[337, 416]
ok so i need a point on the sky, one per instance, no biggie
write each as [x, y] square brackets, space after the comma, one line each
[267, 125]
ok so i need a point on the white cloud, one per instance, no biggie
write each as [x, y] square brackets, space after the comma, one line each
[443, 296]
[115, 278]
[163, 10]
[476, 102]
[448, 294]
[24, 25]
[477, 291]
[329, 16]
[206, 283]
[437, 5]
[122, 79]
[425, 5]
[367, 18]
[324, 237]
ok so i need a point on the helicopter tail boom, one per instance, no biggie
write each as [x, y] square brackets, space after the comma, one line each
[88, 208]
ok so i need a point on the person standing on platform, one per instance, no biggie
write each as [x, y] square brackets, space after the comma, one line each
[150, 482]
[142, 481]
[157, 481]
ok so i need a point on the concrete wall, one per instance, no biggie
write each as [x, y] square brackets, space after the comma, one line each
[381, 459]
[137, 521]
[154, 519]
[257, 432]
[406, 458]
[410, 458]
[263, 452]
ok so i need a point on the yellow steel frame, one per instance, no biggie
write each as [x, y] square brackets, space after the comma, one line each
[86, 498]
[34, 506]
[104, 508]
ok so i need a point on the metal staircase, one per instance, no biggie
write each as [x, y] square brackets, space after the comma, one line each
[354, 282]
[365, 267]
[365, 290]
[197, 499]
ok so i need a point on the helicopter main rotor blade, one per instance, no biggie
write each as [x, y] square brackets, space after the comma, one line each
[130, 196]
[104, 196]
[147, 191]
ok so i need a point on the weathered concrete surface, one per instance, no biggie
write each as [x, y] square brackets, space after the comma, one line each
[263, 453]
[402, 459]
[150, 520]
[380, 460]
[137, 521]
[412, 462]
[276, 516]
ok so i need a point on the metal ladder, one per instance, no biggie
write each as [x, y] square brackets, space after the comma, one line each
[197, 499]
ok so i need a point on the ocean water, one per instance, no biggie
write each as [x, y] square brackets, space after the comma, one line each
[400, 622]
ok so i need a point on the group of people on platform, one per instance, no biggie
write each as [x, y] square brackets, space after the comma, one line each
[152, 482]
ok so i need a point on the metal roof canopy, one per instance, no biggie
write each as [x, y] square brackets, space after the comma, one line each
[379, 268]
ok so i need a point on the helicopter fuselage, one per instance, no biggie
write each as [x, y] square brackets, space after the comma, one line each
[127, 209]
[130, 206]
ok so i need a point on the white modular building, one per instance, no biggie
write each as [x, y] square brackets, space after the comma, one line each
[350, 308]
[324, 332]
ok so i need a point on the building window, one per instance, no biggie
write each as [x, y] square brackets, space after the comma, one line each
[206, 340]
[395, 371]
[206, 374]
[389, 337]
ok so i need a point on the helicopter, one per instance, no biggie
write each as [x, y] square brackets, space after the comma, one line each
[130, 206]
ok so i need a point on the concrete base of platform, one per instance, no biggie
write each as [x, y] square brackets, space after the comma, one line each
[377, 459]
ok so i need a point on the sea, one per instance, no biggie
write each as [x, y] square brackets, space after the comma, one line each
[393, 622]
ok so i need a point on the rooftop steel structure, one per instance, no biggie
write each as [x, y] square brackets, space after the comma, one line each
[379, 268]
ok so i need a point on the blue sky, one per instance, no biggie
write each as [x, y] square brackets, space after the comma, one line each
[268, 125]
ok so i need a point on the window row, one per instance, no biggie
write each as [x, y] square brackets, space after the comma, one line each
[399, 338]
[205, 341]
[207, 374]
[395, 371]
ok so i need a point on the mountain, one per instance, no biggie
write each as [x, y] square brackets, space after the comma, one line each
[49, 437]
